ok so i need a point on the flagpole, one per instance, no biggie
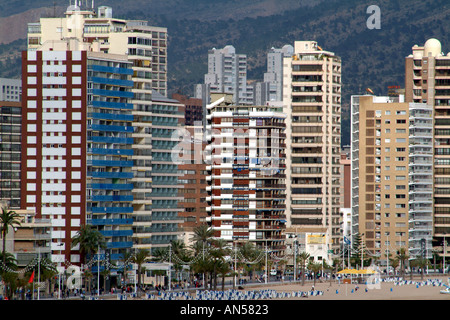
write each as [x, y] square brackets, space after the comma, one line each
[39, 270]
[33, 285]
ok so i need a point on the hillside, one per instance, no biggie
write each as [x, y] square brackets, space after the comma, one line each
[371, 58]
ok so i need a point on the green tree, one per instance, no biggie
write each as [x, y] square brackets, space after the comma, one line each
[315, 267]
[44, 271]
[251, 253]
[202, 238]
[223, 268]
[358, 249]
[402, 257]
[90, 242]
[219, 250]
[140, 258]
[8, 219]
[89, 239]
[422, 263]
[303, 258]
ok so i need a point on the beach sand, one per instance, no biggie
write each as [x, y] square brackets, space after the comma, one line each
[382, 291]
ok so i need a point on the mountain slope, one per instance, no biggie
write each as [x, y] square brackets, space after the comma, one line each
[370, 58]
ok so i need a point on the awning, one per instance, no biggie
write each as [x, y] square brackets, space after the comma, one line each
[355, 271]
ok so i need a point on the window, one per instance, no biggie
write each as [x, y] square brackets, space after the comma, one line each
[401, 121]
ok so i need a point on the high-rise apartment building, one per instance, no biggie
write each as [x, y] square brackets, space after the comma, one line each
[246, 158]
[274, 74]
[227, 73]
[10, 153]
[154, 116]
[427, 80]
[194, 173]
[391, 174]
[193, 112]
[421, 143]
[10, 89]
[77, 146]
[312, 103]
[167, 118]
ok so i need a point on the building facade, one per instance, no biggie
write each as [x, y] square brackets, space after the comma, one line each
[274, 74]
[76, 146]
[246, 158]
[312, 103]
[392, 170]
[10, 153]
[427, 80]
[194, 182]
[193, 112]
[227, 73]
[10, 89]
[155, 117]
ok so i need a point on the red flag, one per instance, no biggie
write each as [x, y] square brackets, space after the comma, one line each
[31, 278]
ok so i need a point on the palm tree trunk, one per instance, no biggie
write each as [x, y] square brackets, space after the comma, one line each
[4, 246]
[223, 281]
[303, 275]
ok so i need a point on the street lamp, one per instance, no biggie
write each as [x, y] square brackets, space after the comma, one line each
[295, 259]
[443, 256]
[59, 271]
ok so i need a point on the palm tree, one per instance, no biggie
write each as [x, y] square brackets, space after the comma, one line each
[218, 254]
[223, 269]
[178, 249]
[402, 257]
[303, 258]
[202, 237]
[47, 270]
[139, 258]
[9, 278]
[315, 267]
[7, 219]
[90, 240]
[251, 253]
[422, 263]
[203, 234]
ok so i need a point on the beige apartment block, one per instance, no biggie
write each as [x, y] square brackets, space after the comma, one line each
[391, 174]
[383, 173]
[312, 103]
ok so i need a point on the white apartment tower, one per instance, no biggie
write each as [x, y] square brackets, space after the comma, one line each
[274, 74]
[227, 73]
